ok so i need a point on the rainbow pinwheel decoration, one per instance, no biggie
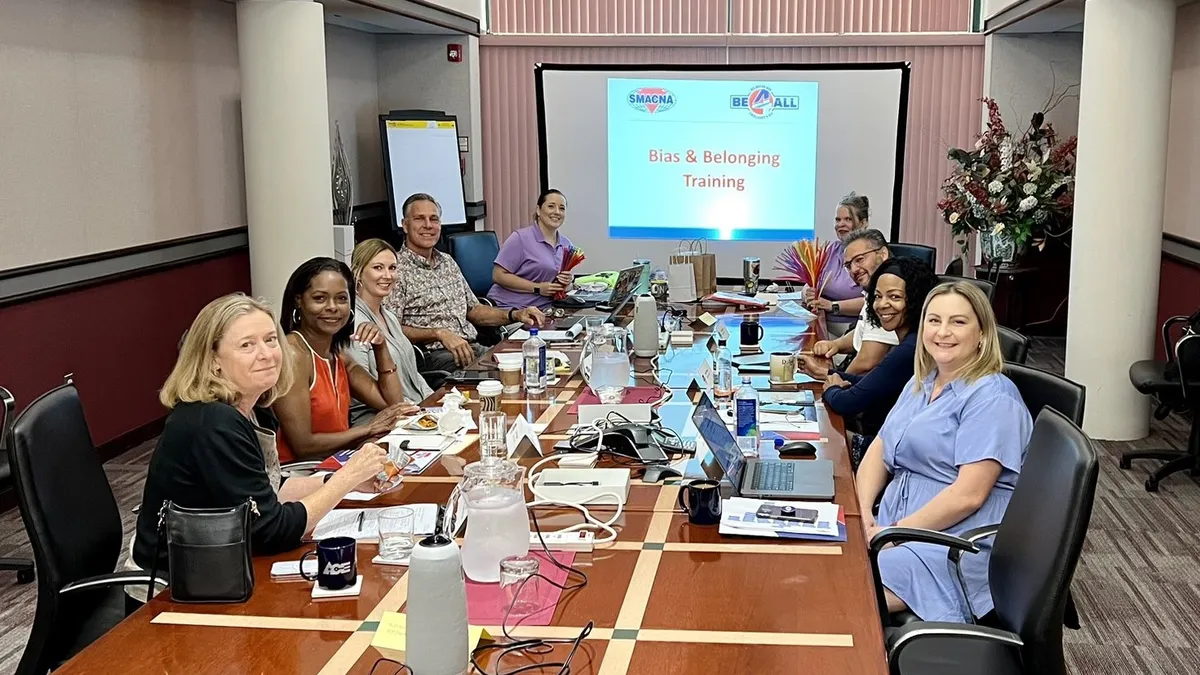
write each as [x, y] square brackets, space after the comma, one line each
[808, 261]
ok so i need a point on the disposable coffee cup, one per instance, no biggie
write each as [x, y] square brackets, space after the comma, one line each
[489, 395]
[510, 378]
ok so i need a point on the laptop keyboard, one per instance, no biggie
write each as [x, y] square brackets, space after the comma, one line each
[774, 476]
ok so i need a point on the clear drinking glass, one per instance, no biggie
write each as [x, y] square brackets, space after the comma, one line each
[396, 533]
[493, 426]
[521, 597]
[591, 324]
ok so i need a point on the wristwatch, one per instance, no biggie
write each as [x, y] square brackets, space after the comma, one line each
[537, 290]
[837, 309]
[510, 315]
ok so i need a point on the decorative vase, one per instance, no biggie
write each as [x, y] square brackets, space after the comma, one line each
[1000, 248]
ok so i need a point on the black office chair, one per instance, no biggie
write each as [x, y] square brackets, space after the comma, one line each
[1176, 385]
[926, 254]
[22, 566]
[955, 268]
[988, 288]
[1040, 389]
[1014, 347]
[1036, 550]
[74, 526]
[475, 253]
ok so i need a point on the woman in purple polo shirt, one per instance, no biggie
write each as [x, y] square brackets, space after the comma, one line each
[528, 270]
[842, 299]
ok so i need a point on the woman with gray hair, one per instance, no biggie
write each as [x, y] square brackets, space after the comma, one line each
[841, 299]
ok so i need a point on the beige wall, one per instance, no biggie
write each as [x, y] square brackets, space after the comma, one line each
[1025, 71]
[1181, 216]
[119, 125]
[414, 73]
[351, 66]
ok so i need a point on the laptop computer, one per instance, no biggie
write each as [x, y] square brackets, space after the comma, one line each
[626, 281]
[804, 479]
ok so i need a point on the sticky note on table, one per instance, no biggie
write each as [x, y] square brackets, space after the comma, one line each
[393, 631]
[707, 319]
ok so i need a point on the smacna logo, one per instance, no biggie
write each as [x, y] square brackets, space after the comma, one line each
[761, 102]
[651, 99]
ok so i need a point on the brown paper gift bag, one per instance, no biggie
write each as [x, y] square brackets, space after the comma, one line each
[694, 252]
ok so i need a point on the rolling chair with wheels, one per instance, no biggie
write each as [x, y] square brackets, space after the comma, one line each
[23, 567]
[74, 527]
[1036, 551]
[926, 254]
[1014, 347]
[1176, 385]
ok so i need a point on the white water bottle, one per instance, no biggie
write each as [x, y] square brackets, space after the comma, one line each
[436, 642]
[534, 351]
[645, 327]
[723, 385]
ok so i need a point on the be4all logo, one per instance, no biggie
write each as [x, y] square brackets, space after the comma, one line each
[651, 99]
[761, 102]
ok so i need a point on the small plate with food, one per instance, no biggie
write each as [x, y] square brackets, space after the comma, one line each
[422, 422]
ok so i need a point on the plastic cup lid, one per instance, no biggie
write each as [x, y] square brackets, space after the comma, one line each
[490, 387]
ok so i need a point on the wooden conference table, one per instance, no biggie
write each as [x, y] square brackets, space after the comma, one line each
[666, 597]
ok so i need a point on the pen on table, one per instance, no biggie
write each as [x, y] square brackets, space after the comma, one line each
[361, 516]
[555, 483]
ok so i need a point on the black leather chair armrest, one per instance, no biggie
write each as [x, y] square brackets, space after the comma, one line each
[305, 467]
[436, 379]
[911, 634]
[974, 535]
[130, 578]
[900, 535]
[1168, 343]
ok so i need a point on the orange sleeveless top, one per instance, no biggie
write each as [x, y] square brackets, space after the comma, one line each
[329, 398]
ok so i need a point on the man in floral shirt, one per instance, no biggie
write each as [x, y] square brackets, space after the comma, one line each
[431, 296]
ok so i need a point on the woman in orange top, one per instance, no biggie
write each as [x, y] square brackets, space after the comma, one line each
[314, 415]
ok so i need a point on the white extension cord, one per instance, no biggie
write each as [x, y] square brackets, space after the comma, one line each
[590, 521]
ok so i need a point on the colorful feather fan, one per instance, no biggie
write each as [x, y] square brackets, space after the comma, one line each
[572, 257]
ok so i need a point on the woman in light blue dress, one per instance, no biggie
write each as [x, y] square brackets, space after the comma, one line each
[952, 449]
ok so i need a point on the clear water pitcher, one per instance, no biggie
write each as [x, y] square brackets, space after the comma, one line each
[605, 363]
[497, 520]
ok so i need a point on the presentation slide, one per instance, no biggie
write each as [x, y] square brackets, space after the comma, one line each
[746, 157]
[711, 151]
[422, 156]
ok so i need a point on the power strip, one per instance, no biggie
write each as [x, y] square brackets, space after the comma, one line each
[582, 541]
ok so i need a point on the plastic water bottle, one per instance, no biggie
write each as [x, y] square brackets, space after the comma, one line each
[534, 351]
[746, 401]
[723, 384]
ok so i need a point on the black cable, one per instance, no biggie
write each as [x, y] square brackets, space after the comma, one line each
[403, 667]
[536, 646]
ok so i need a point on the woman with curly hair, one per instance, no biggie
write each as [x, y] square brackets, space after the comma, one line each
[897, 292]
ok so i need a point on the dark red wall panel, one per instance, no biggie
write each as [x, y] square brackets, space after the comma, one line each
[118, 338]
[1178, 293]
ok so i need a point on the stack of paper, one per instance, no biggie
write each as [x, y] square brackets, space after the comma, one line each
[739, 517]
[363, 524]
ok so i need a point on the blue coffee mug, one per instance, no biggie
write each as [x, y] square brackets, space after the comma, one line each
[337, 566]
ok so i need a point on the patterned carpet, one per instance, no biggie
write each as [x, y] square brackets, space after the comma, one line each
[1138, 585]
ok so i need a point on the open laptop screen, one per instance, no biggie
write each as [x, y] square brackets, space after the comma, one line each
[719, 440]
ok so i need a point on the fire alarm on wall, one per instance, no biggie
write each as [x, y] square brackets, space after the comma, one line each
[454, 53]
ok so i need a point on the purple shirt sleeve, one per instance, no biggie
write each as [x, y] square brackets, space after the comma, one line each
[512, 253]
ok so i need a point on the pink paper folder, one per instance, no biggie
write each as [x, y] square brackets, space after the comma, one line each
[632, 395]
[485, 602]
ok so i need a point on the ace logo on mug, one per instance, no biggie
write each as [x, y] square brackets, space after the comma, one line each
[337, 567]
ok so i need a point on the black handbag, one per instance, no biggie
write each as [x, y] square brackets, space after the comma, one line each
[208, 553]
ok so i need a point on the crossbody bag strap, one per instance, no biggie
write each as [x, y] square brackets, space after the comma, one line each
[158, 542]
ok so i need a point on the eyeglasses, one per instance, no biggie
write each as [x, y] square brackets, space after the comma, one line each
[857, 260]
